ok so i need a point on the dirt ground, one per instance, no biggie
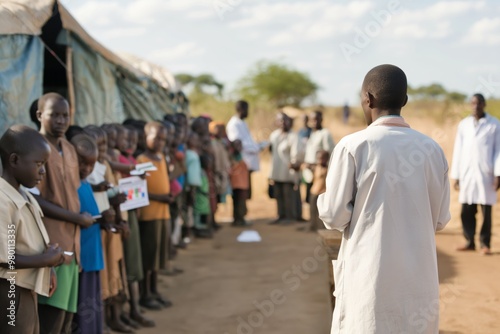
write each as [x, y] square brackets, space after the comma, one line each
[280, 285]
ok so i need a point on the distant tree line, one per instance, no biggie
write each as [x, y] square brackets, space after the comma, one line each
[435, 91]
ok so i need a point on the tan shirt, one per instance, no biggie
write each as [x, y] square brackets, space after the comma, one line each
[22, 230]
[60, 187]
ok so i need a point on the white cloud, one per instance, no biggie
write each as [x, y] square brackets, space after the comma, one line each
[98, 13]
[124, 32]
[178, 52]
[485, 31]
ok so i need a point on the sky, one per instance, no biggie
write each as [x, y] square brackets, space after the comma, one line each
[455, 43]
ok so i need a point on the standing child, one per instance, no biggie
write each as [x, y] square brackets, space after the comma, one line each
[318, 187]
[24, 153]
[132, 245]
[89, 316]
[239, 176]
[61, 208]
[201, 208]
[153, 217]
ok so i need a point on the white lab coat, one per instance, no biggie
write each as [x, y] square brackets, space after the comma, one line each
[388, 191]
[476, 159]
[236, 128]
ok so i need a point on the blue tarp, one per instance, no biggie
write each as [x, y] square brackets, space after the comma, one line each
[21, 77]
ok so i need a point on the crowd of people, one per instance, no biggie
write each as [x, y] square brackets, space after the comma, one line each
[85, 265]
[75, 262]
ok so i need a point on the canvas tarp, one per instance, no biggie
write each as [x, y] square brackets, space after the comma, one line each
[21, 75]
[24, 17]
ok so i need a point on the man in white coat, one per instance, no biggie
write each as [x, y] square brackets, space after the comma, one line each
[476, 171]
[387, 190]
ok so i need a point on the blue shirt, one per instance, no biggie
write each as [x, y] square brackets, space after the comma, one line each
[182, 179]
[91, 257]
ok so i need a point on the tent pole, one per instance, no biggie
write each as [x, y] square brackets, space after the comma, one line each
[71, 86]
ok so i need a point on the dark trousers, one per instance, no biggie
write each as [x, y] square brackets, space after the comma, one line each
[469, 224]
[54, 320]
[239, 204]
[308, 192]
[20, 317]
[316, 223]
[298, 203]
[285, 199]
[89, 318]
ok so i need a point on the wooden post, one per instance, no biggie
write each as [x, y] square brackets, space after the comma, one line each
[331, 240]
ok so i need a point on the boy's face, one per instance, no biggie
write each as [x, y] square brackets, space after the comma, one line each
[133, 139]
[102, 144]
[111, 137]
[54, 118]
[29, 169]
[122, 140]
[86, 164]
[156, 139]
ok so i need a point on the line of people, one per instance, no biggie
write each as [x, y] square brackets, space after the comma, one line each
[78, 263]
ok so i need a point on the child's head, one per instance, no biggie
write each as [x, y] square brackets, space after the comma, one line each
[322, 158]
[111, 134]
[133, 138]
[316, 120]
[217, 129]
[156, 136]
[24, 153]
[237, 146]
[139, 128]
[170, 133]
[205, 162]
[53, 114]
[122, 139]
[87, 151]
[193, 141]
[101, 139]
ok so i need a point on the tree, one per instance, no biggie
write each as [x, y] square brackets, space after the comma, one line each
[278, 83]
[200, 82]
[435, 91]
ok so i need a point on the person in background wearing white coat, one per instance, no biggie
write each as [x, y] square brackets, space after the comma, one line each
[476, 171]
[236, 128]
[387, 190]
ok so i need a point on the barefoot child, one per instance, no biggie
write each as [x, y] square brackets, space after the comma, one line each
[61, 208]
[23, 152]
[153, 217]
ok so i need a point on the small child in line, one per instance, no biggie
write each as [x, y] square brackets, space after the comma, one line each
[239, 177]
[25, 253]
[89, 318]
[318, 187]
[153, 218]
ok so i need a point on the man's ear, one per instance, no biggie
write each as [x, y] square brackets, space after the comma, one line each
[13, 159]
[406, 101]
[39, 115]
[370, 99]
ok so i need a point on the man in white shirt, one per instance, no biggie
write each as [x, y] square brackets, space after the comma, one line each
[285, 152]
[319, 140]
[476, 171]
[237, 128]
[387, 190]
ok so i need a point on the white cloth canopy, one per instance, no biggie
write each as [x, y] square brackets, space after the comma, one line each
[388, 191]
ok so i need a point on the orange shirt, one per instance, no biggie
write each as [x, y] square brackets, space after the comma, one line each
[158, 184]
[239, 175]
[60, 187]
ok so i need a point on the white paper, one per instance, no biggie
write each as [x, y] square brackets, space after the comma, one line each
[249, 236]
[146, 167]
[136, 190]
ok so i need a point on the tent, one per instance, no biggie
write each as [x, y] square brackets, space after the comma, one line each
[43, 48]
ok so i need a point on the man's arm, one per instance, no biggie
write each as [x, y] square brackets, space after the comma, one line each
[56, 212]
[335, 206]
[496, 156]
[444, 212]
